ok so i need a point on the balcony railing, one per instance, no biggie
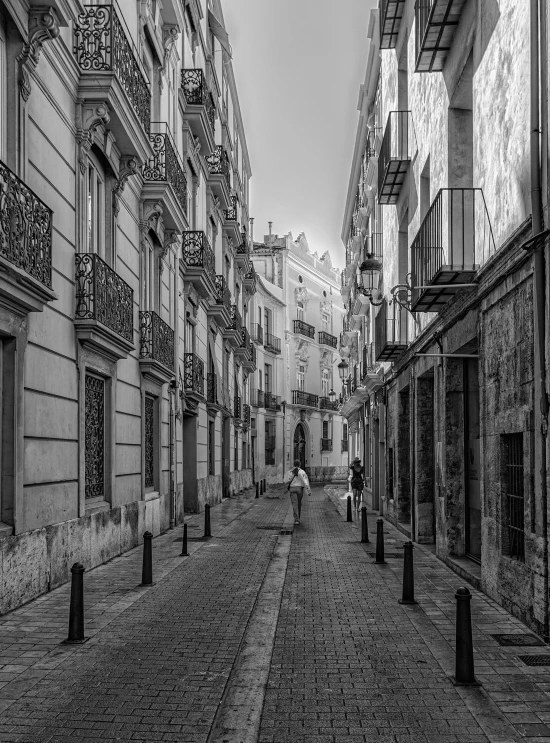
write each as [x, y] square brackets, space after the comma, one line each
[102, 44]
[299, 397]
[326, 403]
[257, 333]
[245, 339]
[231, 213]
[237, 407]
[250, 279]
[165, 164]
[435, 24]
[391, 15]
[398, 147]
[246, 415]
[197, 252]
[272, 402]
[454, 238]
[326, 339]
[193, 374]
[218, 164]
[236, 320]
[212, 391]
[272, 343]
[390, 327]
[303, 328]
[244, 246]
[344, 444]
[222, 295]
[25, 228]
[370, 365]
[156, 339]
[103, 296]
[257, 398]
[195, 89]
[326, 444]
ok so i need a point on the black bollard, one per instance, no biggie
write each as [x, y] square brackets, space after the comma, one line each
[349, 518]
[147, 568]
[408, 575]
[207, 532]
[257, 490]
[265, 486]
[380, 542]
[184, 552]
[364, 525]
[261, 487]
[76, 611]
[464, 662]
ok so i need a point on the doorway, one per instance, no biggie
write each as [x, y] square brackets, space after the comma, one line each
[472, 459]
[225, 458]
[300, 445]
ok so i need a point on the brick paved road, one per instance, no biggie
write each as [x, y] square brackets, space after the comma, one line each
[348, 663]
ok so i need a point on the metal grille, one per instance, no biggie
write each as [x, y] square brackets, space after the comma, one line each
[165, 164]
[517, 640]
[94, 437]
[156, 339]
[535, 660]
[515, 500]
[149, 442]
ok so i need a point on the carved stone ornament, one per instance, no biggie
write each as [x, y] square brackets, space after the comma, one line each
[171, 239]
[128, 166]
[302, 350]
[192, 304]
[325, 360]
[89, 117]
[151, 219]
[326, 306]
[43, 26]
[301, 295]
[170, 33]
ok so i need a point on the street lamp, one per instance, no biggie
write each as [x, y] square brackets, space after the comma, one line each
[370, 269]
[332, 395]
[343, 370]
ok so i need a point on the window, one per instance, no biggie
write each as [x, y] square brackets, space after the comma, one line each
[269, 442]
[95, 208]
[390, 473]
[236, 450]
[244, 463]
[260, 316]
[268, 378]
[300, 311]
[189, 334]
[149, 443]
[94, 437]
[8, 382]
[345, 432]
[267, 320]
[514, 499]
[260, 379]
[301, 376]
[325, 382]
[150, 276]
[3, 90]
[325, 322]
[211, 445]
[325, 429]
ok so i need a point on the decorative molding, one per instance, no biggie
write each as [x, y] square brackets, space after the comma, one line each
[325, 359]
[151, 218]
[301, 294]
[43, 26]
[170, 33]
[89, 117]
[171, 238]
[326, 306]
[128, 166]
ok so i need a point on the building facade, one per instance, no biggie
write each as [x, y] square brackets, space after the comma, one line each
[125, 279]
[446, 223]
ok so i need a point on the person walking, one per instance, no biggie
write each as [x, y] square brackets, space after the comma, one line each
[297, 482]
[357, 482]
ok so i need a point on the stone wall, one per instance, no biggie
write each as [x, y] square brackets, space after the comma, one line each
[209, 490]
[327, 474]
[239, 480]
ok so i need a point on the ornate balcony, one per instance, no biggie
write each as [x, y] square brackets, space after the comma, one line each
[454, 238]
[156, 347]
[243, 349]
[164, 176]
[272, 343]
[272, 402]
[299, 397]
[435, 24]
[371, 369]
[302, 328]
[212, 394]
[112, 73]
[396, 152]
[326, 339]
[344, 445]
[246, 416]
[326, 403]
[250, 279]
[219, 175]
[193, 376]
[257, 333]
[326, 444]
[390, 326]
[198, 263]
[237, 410]
[242, 254]
[25, 245]
[104, 314]
[250, 361]
[391, 15]
[220, 309]
[257, 399]
[200, 110]
[233, 332]
[231, 225]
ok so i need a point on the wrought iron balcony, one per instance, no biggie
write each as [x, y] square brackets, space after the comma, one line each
[103, 296]
[237, 408]
[257, 333]
[246, 415]
[272, 402]
[326, 403]
[390, 326]
[435, 24]
[370, 366]
[326, 444]
[299, 397]
[198, 262]
[396, 152]
[344, 445]
[222, 295]
[218, 165]
[236, 320]
[244, 247]
[156, 339]
[250, 278]
[165, 165]
[102, 44]
[272, 343]
[391, 15]
[454, 239]
[25, 228]
[213, 396]
[249, 361]
[302, 328]
[196, 92]
[326, 339]
[243, 349]
[193, 377]
[257, 398]
[231, 213]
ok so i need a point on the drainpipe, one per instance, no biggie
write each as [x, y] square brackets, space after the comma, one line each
[539, 274]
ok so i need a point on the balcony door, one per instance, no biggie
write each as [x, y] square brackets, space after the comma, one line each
[300, 445]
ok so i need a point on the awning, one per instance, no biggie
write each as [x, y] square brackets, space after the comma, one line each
[219, 32]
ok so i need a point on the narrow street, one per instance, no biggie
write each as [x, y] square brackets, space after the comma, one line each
[269, 637]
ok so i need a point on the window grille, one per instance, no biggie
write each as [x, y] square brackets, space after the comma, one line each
[149, 442]
[211, 443]
[94, 437]
[514, 495]
[390, 472]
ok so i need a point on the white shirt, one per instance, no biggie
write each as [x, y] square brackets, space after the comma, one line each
[298, 481]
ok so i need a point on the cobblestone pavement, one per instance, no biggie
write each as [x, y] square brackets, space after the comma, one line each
[188, 659]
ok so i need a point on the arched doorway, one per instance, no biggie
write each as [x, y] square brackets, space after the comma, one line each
[300, 445]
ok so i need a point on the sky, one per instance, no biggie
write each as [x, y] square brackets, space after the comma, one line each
[298, 65]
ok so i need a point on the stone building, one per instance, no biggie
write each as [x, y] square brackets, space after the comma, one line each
[446, 337]
[125, 274]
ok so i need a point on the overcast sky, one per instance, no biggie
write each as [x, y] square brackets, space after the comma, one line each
[298, 66]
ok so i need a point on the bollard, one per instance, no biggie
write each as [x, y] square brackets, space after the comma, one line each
[380, 542]
[147, 568]
[364, 525]
[184, 552]
[76, 610]
[261, 487]
[257, 490]
[408, 575]
[207, 532]
[265, 486]
[349, 518]
[464, 662]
